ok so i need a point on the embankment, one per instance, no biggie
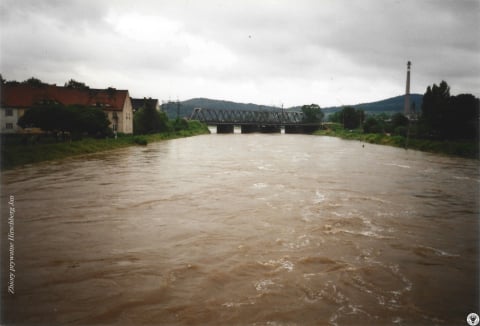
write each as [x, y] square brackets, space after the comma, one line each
[467, 149]
[14, 154]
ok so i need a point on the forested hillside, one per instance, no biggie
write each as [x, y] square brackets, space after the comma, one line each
[185, 108]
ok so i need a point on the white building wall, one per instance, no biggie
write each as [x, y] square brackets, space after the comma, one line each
[127, 117]
[8, 120]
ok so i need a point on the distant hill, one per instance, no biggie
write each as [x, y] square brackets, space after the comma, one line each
[186, 107]
[390, 106]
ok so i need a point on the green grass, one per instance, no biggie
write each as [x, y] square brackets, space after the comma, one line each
[14, 154]
[468, 149]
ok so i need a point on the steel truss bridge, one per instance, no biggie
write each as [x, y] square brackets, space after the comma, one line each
[254, 121]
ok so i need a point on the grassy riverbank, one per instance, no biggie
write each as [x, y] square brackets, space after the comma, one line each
[468, 149]
[15, 153]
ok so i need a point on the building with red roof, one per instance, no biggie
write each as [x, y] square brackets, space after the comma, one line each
[15, 98]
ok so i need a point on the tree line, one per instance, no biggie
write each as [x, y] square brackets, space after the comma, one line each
[76, 120]
[449, 117]
[32, 81]
[442, 117]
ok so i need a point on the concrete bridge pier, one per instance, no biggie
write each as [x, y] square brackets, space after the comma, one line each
[225, 129]
[247, 129]
[310, 129]
[270, 129]
[307, 129]
[293, 129]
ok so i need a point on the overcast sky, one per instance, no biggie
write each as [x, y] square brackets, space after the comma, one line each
[328, 52]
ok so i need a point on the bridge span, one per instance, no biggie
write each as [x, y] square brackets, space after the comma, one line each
[255, 121]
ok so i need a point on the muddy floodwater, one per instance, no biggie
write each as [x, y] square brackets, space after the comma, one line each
[253, 229]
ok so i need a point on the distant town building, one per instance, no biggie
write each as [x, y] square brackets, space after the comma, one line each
[138, 103]
[15, 98]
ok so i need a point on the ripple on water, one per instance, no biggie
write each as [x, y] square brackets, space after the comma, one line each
[260, 185]
[264, 285]
[282, 264]
[319, 197]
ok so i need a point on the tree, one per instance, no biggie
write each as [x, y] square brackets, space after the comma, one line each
[397, 124]
[462, 117]
[148, 120]
[373, 126]
[74, 119]
[449, 117]
[90, 120]
[399, 120]
[72, 83]
[46, 117]
[351, 118]
[32, 81]
[312, 113]
[180, 124]
[335, 117]
[434, 107]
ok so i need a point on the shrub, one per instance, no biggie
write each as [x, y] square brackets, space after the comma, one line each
[140, 140]
[372, 126]
[401, 131]
[180, 124]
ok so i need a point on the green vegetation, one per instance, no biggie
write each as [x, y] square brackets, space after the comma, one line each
[449, 117]
[72, 83]
[312, 113]
[468, 149]
[148, 120]
[75, 120]
[349, 117]
[19, 150]
[140, 140]
[447, 124]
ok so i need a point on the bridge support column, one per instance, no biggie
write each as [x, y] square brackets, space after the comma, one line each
[270, 129]
[310, 129]
[293, 129]
[224, 129]
[247, 129]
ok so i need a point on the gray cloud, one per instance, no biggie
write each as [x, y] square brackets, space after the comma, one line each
[268, 52]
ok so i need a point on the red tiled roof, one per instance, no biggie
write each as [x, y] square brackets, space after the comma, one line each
[26, 96]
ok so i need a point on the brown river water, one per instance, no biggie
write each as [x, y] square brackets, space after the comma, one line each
[253, 229]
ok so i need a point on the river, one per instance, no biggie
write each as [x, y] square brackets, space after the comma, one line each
[255, 229]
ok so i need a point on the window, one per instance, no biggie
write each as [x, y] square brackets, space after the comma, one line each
[9, 112]
[9, 125]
